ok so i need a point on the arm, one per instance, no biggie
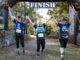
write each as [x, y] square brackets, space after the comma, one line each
[29, 19]
[57, 22]
[70, 22]
[35, 26]
[44, 25]
[13, 18]
[14, 21]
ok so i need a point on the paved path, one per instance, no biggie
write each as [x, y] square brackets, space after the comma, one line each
[51, 51]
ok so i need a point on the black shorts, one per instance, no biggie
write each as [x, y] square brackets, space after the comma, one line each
[63, 42]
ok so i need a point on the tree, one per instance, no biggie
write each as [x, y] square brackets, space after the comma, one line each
[21, 9]
[62, 8]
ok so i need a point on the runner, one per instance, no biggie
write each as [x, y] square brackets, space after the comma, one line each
[64, 35]
[40, 34]
[25, 24]
[19, 35]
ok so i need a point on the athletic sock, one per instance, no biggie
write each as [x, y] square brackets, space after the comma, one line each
[38, 53]
[18, 50]
[62, 53]
[23, 50]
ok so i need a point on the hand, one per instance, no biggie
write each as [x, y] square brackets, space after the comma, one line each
[12, 17]
[56, 21]
[70, 21]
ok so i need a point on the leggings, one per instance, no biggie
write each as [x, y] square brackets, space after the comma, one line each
[40, 44]
[63, 42]
[19, 39]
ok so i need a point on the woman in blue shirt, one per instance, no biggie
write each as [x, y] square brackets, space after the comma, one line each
[63, 35]
[19, 35]
[40, 34]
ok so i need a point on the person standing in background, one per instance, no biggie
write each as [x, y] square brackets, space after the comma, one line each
[26, 20]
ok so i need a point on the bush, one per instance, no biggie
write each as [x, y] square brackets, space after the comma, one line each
[54, 35]
[30, 28]
[52, 29]
[0, 21]
[48, 29]
[11, 25]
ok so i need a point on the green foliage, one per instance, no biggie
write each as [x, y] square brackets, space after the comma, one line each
[21, 9]
[52, 29]
[30, 28]
[1, 25]
[11, 25]
[62, 8]
[48, 29]
[0, 22]
[53, 26]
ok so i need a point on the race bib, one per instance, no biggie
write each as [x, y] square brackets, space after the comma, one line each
[18, 31]
[40, 35]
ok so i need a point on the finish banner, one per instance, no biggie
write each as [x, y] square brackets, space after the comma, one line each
[41, 4]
